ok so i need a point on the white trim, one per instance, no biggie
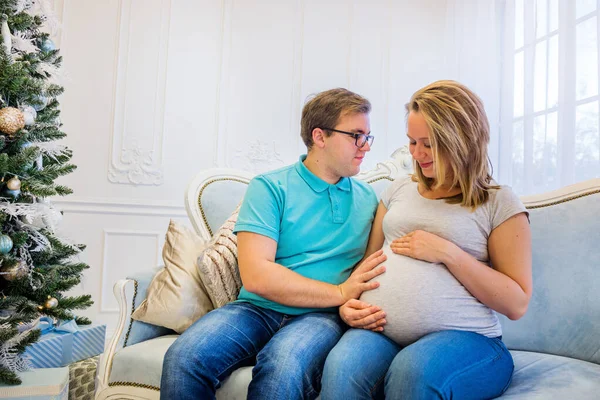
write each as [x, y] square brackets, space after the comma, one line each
[559, 195]
[94, 205]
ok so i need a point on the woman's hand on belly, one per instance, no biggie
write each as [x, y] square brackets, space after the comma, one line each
[422, 245]
[359, 314]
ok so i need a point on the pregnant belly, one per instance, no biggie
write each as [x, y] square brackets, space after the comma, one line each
[421, 297]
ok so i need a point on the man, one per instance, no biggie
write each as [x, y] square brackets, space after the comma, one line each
[301, 230]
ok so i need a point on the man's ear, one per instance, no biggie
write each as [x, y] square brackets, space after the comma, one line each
[318, 137]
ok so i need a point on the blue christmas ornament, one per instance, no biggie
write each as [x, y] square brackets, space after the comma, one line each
[48, 45]
[13, 193]
[6, 244]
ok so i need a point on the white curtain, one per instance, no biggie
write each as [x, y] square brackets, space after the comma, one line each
[473, 41]
[549, 99]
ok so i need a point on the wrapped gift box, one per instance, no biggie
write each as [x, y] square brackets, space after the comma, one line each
[58, 349]
[82, 385]
[39, 384]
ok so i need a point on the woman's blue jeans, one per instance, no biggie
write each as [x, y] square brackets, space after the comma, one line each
[289, 352]
[441, 365]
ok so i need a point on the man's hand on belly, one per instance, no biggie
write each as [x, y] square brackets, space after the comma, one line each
[360, 279]
[359, 314]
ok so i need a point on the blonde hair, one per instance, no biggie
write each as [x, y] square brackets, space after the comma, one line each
[326, 108]
[459, 134]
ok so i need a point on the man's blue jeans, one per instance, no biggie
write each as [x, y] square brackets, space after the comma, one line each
[289, 352]
[441, 365]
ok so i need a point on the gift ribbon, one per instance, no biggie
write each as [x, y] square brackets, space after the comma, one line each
[47, 325]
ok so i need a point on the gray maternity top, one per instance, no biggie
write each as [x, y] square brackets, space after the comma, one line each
[421, 297]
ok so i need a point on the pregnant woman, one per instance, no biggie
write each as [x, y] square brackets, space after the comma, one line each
[458, 250]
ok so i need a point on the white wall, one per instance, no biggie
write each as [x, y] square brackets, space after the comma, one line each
[160, 89]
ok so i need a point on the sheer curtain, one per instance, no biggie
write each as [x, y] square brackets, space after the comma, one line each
[474, 35]
[549, 98]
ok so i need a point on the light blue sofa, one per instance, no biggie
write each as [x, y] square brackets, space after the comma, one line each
[556, 345]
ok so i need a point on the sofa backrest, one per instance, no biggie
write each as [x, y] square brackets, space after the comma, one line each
[213, 194]
[564, 312]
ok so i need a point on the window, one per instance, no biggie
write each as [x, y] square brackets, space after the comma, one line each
[549, 127]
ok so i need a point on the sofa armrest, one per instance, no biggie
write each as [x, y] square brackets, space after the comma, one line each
[129, 293]
[124, 291]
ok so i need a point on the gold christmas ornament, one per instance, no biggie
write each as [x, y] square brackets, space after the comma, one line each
[13, 183]
[51, 303]
[12, 120]
[14, 271]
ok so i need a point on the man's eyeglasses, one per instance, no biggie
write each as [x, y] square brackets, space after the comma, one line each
[360, 139]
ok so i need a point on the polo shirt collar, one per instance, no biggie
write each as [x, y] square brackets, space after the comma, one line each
[317, 184]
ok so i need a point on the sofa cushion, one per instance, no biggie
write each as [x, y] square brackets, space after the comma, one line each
[176, 297]
[543, 376]
[562, 318]
[142, 364]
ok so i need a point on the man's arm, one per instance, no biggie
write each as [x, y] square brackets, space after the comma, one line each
[376, 237]
[262, 276]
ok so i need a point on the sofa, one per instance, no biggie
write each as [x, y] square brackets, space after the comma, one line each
[555, 346]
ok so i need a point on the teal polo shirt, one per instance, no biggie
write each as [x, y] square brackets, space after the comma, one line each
[321, 229]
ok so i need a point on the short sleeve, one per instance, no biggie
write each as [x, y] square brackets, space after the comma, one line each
[261, 209]
[390, 191]
[505, 204]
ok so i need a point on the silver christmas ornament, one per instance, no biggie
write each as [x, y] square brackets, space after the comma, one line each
[44, 102]
[29, 114]
[51, 303]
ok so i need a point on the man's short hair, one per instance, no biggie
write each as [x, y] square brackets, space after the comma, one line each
[325, 109]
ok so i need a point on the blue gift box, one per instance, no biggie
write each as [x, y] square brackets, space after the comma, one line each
[40, 384]
[58, 349]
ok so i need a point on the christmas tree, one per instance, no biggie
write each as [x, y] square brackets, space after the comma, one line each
[36, 266]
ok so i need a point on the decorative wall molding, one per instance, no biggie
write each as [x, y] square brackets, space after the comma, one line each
[258, 156]
[82, 205]
[136, 153]
[104, 280]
